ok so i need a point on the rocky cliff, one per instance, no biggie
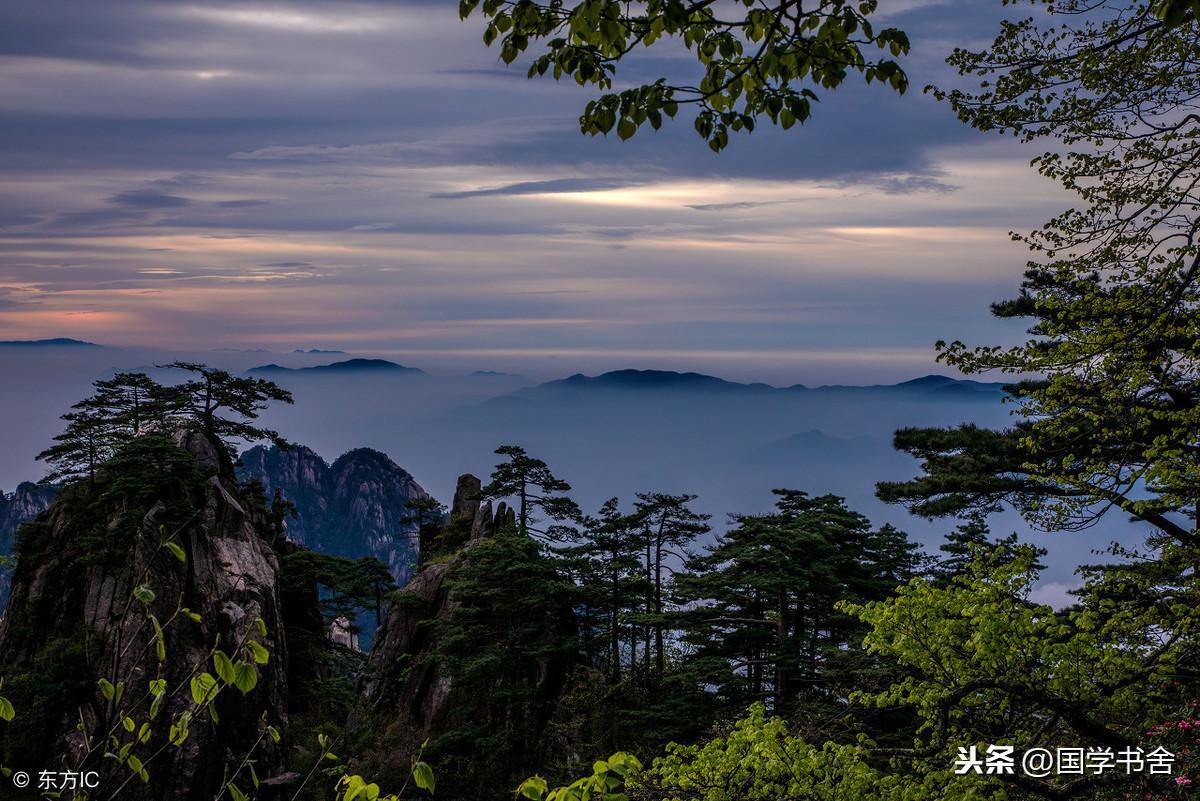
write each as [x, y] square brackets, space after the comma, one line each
[356, 507]
[483, 727]
[27, 502]
[426, 598]
[94, 582]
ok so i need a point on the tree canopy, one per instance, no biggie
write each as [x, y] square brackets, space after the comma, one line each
[537, 490]
[131, 405]
[755, 61]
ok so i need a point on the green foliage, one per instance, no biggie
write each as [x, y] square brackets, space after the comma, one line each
[7, 712]
[122, 407]
[1177, 12]
[225, 406]
[761, 601]
[987, 665]
[606, 563]
[760, 761]
[536, 490]
[346, 585]
[131, 406]
[751, 57]
[511, 628]
[1114, 293]
[356, 788]
[609, 778]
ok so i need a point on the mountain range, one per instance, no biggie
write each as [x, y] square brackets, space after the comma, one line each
[345, 366]
[608, 433]
[355, 507]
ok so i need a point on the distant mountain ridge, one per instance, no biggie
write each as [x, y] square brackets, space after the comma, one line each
[56, 342]
[669, 380]
[346, 366]
[355, 507]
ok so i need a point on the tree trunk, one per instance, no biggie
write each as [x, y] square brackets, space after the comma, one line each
[781, 671]
[658, 609]
[649, 600]
[524, 510]
[614, 630]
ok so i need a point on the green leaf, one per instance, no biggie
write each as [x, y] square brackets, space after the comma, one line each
[245, 677]
[144, 594]
[177, 551]
[107, 689]
[534, 789]
[203, 688]
[261, 654]
[7, 712]
[422, 774]
[224, 667]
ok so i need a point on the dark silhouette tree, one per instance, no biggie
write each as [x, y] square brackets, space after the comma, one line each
[537, 491]
[668, 526]
[133, 403]
[88, 441]
[760, 602]
[612, 577]
[426, 515]
[224, 406]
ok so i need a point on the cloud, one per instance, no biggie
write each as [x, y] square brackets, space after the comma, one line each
[241, 204]
[365, 151]
[9, 299]
[554, 186]
[736, 205]
[123, 161]
[147, 199]
[912, 183]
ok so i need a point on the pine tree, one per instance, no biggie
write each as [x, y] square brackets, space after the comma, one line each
[536, 489]
[971, 540]
[512, 630]
[88, 441]
[761, 600]
[668, 527]
[610, 567]
[224, 406]
[132, 402]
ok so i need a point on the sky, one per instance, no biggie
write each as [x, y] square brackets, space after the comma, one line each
[370, 177]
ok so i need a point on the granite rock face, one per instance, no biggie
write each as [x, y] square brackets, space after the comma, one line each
[27, 502]
[73, 621]
[356, 507]
[405, 631]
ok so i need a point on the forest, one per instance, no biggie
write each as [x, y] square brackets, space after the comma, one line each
[165, 639]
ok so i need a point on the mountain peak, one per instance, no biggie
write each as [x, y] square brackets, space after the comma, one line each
[648, 379]
[355, 507]
[357, 365]
[56, 342]
[930, 381]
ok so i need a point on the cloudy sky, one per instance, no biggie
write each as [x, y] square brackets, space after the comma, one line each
[369, 177]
